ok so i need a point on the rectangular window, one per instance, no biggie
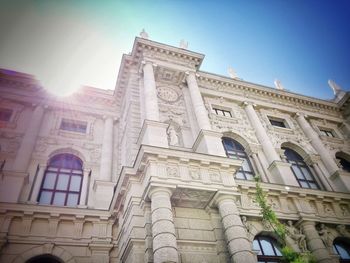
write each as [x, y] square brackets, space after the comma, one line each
[5, 114]
[327, 133]
[221, 112]
[278, 122]
[73, 125]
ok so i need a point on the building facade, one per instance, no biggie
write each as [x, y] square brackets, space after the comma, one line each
[161, 169]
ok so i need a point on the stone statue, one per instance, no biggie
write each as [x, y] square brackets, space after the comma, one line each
[337, 90]
[144, 34]
[324, 235]
[334, 86]
[278, 84]
[183, 44]
[343, 231]
[246, 224]
[296, 235]
[232, 73]
[173, 138]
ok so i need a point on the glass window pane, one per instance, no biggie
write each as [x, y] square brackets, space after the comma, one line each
[306, 173]
[72, 199]
[313, 185]
[297, 172]
[278, 252]
[256, 246]
[45, 197]
[304, 184]
[240, 175]
[59, 198]
[245, 165]
[50, 179]
[75, 183]
[342, 252]
[62, 182]
[267, 247]
[249, 176]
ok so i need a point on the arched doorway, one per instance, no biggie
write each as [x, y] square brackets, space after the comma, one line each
[44, 259]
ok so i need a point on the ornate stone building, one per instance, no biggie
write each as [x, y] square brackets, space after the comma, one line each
[161, 169]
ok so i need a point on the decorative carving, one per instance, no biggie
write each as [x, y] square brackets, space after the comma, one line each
[167, 94]
[344, 210]
[215, 177]
[324, 235]
[328, 210]
[195, 175]
[172, 172]
[296, 235]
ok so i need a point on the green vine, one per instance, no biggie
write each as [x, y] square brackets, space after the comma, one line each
[269, 216]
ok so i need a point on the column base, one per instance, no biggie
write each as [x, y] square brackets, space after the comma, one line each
[341, 180]
[11, 185]
[154, 133]
[282, 173]
[209, 142]
[103, 194]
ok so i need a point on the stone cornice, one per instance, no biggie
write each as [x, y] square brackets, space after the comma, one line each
[240, 85]
[49, 211]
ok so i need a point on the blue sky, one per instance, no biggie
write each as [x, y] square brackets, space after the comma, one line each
[71, 43]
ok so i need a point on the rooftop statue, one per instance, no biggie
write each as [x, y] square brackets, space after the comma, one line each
[183, 44]
[337, 90]
[232, 73]
[143, 34]
[278, 84]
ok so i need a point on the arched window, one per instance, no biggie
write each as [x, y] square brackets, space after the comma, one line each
[342, 249]
[62, 181]
[236, 151]
[300, 169]
[268, 249]
[44, 259]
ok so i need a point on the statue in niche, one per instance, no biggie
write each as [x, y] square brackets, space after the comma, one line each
[344, 210]
[173, 137]
[324, 235]
[296, 235]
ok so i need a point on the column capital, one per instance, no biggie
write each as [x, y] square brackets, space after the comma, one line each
[312, 159]
[247, 103]
[188, 73]
[224, 196]
[147, 62]
[159, 189]
[300, 114]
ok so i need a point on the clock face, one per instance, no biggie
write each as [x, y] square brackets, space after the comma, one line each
[167, 94]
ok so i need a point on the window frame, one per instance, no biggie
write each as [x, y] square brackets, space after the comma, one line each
[70, 123]
[240, 154]
[276, 120]
[223, 111]
[344, 244]
[301, 166]
[327, 132]
[60, 171]
[274, 244]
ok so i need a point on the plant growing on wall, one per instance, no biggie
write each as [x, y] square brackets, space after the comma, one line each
[269, 216]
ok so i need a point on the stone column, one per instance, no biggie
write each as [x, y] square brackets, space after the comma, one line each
[29, 140]
[163, 229]
[239, 246]
[107, 151]
[259, 167]
[150, 93]
[197, 102]
[280, 171]
[316, 142]
[315, 244]
[261, 134]
[208, 141]
[36, 184]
